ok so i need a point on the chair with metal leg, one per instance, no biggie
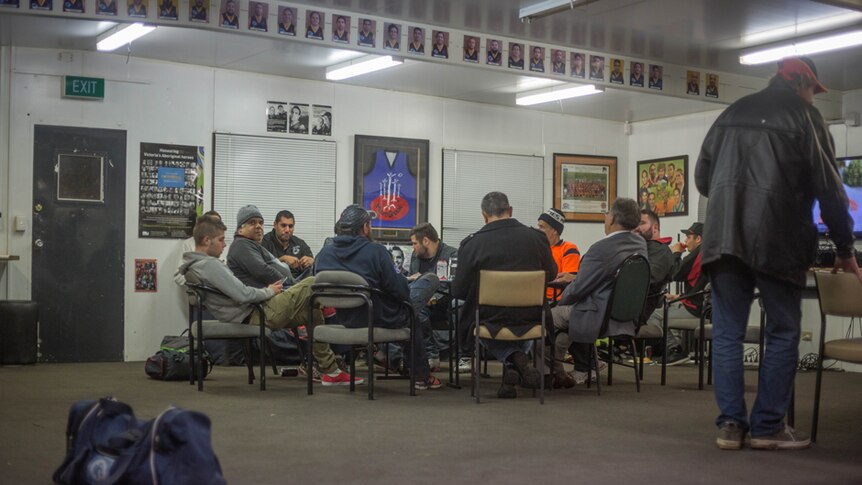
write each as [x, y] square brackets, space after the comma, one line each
[511, 289]
[840, 295]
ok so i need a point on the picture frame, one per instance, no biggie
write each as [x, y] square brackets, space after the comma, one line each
[662, 185]
[391, 178]
[585, 186]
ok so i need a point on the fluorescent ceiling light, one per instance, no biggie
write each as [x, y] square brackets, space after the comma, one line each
[546, 95]
[802, 48]
[122, 35]
[545, 8]
[360, 66]
[802, 28]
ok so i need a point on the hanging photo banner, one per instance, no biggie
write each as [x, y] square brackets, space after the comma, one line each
[171, 190]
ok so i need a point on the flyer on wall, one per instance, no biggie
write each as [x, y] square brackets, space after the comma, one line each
[171, 190]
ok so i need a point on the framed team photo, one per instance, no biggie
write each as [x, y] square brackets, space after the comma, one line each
[584, 186]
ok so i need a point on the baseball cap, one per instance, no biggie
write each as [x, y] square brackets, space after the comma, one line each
[800, 65]
[696, 229]
[354, 216]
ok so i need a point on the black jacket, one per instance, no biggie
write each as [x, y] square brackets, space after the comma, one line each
[371, 261]
[762, 164]
[663, 265]
[505, 245]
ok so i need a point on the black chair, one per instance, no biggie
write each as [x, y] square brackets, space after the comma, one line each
[200, 330]
[626, 303]
[345, 290]
[685, 324]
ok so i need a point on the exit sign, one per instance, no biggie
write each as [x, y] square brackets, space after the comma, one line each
[83, 87]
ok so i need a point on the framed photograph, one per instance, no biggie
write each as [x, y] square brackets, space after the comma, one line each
[662, 185]
[341, 28]
[391, 178]
[146, 274]
[584, 186]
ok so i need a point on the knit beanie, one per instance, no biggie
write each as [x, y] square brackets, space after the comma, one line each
[245, 213]
[554, 218]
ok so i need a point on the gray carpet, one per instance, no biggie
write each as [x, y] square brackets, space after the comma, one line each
[662, 435]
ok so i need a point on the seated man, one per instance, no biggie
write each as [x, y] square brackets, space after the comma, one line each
[249, 261]
[502, 244]
[688, 271]
[353, 250]
[663, 265]
[428, 251]
[187, 245]
[288, 248]
[582, 304]
[565, 254]
[281, 308]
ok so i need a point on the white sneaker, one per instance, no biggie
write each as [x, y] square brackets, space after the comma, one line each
[581, 377]
[465, 365]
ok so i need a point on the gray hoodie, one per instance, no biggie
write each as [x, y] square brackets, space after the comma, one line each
[200, 268]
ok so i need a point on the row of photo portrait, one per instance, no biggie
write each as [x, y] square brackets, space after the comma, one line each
[298, 118]
[415, 41]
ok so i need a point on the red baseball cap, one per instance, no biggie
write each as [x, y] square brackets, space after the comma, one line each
[800, 65]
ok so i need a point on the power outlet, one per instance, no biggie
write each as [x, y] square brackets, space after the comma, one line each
[806, 336]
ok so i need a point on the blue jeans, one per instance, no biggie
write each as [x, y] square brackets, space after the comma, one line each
[421, 291]
[732, 292]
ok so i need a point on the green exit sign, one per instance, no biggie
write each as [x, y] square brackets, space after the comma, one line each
[83, 87]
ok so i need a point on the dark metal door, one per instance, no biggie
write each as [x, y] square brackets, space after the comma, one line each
[79, 207]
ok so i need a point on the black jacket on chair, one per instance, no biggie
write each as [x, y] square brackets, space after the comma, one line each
[762, 164]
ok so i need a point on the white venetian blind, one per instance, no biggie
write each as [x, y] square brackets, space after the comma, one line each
[275, 174]
[468, 176]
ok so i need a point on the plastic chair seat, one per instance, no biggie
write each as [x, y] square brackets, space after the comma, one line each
[339, 334]
[506, 334]
[846, 350]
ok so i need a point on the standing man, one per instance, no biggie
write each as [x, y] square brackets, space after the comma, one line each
[428, 251]
[288, 248]
[503, 244]
[762, 164]
[566, 255]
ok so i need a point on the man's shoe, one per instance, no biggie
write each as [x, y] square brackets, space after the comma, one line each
[581, 377]
[340, 379]
[511, 378]
[430, 383]
[676, 356]
[529, 375]
[562, 380]
[316, 374]
[730, 436]
[786, 439]
[434, 364]
[465, 365]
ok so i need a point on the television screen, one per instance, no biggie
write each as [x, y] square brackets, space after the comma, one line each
[850, 169]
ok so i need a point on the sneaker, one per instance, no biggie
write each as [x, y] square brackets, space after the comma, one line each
[529, 374]
[786, 439]
[511, 378]
[316, 374]
[564, 380]
[434, 364]
[730, 436]
[340, 379]
[328, 312]
[431, 383]
[676, 356]
[581, 377]
[465, 365]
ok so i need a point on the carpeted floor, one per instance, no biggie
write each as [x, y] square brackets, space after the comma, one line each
[662, 435]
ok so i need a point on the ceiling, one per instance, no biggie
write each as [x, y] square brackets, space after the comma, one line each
[704, 34]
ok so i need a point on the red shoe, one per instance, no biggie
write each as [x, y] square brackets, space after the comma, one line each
[340, 379]
[431, 383]
[328, 311]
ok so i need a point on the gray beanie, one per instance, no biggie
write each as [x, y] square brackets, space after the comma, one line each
[246, 213]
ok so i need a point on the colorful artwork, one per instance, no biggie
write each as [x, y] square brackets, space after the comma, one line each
[662, 185]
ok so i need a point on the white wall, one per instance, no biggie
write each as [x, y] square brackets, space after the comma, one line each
[183, 104]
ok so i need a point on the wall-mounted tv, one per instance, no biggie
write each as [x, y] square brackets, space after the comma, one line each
[850, 169]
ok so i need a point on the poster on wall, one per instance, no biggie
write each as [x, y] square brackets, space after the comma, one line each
[276, 117]
[322, 116]
[171, 190]
[146, 273]
[584, 186]
[662, 185]
[299, 118]
[391, 178]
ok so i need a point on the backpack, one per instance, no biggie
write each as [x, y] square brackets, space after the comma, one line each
[173, 362]
[107, 444]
